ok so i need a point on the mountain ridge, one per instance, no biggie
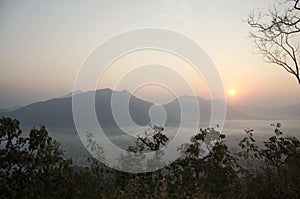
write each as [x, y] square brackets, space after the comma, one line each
[58, 111]
[288, 112]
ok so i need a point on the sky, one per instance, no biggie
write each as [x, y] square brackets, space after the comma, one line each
[44, 43]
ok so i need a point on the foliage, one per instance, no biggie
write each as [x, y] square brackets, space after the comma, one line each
[34, 167]
[279, 175]
[214, 174]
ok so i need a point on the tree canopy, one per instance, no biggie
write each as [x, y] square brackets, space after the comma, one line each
[34, 166]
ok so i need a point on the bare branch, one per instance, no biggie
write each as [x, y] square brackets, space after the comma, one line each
[272, 33]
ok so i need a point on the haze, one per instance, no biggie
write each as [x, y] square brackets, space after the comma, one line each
[43, 44]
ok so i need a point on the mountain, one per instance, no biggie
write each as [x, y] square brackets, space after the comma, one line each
[290, 112]
[57, 112]
[70, 94]
[204, 106]
[2, 110]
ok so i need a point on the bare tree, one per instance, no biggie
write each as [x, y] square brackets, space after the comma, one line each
[276, 35]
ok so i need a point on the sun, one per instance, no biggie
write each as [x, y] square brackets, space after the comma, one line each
[231, 92]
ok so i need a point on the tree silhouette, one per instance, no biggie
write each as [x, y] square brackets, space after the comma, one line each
[275, 35]
[33, 166]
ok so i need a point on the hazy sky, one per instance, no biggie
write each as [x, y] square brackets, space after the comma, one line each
[43, 43]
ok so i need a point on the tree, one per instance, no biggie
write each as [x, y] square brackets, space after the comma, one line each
[213, 175]
[275, 35]
[149, 184]
[152, 140]
[250, 151]
[32, 167]
[279, 174]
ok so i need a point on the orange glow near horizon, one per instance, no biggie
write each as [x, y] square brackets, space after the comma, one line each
[231, 92]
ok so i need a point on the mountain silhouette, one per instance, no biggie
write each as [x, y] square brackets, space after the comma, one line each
[204, 106]
[57, 112]
[3, 110]
[289, 112]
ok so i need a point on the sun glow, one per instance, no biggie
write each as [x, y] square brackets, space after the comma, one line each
[231, 92]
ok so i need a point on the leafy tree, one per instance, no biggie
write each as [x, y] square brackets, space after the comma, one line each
[207, 169]
[153, 183]
[97, 180]
[32, 166]
[278, 148]
[250, 151]
[279, 174]
[105, 182]
[151, 141]
[214, 174]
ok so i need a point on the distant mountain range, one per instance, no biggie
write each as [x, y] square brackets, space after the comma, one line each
[280, 113]
[3, 110]
[57, 112]
[70, 94]
[9, 109]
